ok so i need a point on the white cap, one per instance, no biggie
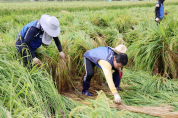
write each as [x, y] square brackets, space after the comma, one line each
[50, 25]
[120, 49]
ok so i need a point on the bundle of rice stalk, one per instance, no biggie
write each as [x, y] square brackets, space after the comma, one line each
[28, 94]
[56, 66]
[60, 72]
[64, 77]
[155, 84]
[96, 108]
[165, 112]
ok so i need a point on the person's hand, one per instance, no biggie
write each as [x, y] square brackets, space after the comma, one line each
[117, 98]
[36, 61]
[62, 55]
[157, 5]
[157, 19]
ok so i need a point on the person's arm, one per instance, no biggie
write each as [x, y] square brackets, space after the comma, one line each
[116, 79]
[106, 67]
[157, 10]
[29, 37]
[58, 43]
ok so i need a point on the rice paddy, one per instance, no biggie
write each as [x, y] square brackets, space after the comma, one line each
[150, 80]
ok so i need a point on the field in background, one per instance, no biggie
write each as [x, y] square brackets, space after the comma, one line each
[85, 26]
[44, 7]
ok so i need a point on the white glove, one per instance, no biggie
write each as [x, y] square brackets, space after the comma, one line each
[36, 61]
[117, 98]
[157, 19]
[62, 55]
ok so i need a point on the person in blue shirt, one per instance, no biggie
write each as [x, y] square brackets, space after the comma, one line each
[107, 59]
[36, 33]
[159, 11]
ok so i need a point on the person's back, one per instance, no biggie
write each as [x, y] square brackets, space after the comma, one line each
[104, 53]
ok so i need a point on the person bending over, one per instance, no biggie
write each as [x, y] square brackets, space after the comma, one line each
[36, 33]
[107, 59]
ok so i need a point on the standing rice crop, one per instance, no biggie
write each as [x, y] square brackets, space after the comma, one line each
[156, 50]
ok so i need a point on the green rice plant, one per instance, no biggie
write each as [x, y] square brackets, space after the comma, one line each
[154, 50]
[23, 93]
[70, 104]
[146, 83]
[101, 19]
[98, 108]
[36, 7]
[3, 111]
[159, 84]
[34, 94]
[55, 66]
[123, 21]
[95, 109]
[139, 88]
[137, 33]
[81, 44]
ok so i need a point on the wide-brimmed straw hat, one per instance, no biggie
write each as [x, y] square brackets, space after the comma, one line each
[50, 25]
[120, 49]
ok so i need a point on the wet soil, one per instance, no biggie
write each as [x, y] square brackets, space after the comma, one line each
[76, 91]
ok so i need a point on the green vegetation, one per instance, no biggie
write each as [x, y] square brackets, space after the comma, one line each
[151, 49]
[46, 7]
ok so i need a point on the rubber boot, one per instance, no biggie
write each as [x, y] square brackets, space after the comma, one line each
[86, 86]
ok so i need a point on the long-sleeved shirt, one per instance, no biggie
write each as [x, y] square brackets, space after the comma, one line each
[30, 36]
[106, 67]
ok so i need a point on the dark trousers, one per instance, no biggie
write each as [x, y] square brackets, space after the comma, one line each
[116, 79]
[23, 49]
[89, 68]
